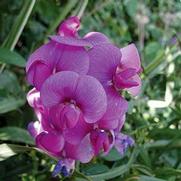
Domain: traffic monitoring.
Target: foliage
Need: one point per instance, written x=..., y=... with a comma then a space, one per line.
x=153, y=119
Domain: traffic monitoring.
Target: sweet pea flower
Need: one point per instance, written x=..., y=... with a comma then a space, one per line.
x=116, y=68
x=77, y=95
x=63, y=52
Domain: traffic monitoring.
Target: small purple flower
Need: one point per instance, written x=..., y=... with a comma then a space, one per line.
x=63, y=167
x=123, y=142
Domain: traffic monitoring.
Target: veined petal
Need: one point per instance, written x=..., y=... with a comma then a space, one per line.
x=130, y=57
x=91, y=98
x=96, y=38
x=82, y=152
x=116, y=108
x=72, y=41
x=41, y=63
x=50, y=142
x=75, y=135
x=58, y=88
x=73, y=59
x=104, y=60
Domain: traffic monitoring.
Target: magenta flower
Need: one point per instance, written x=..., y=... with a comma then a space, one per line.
x=116, y=68
x=63, y=52
x=77, y=95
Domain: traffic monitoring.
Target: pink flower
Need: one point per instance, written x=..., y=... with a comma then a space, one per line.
x=77, y=95
x=116, y=68
x=63, y=52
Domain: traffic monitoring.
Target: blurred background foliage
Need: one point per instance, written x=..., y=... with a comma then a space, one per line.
x=154, y=118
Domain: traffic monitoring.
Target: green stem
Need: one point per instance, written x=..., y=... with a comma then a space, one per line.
x=82, y=8
x=19, y=24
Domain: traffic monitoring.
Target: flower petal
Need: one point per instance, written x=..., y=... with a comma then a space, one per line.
x=73, y=59
x=116, y=108
x=72, y=41
x=34, y=128
x=50, y=142
x=96, y=38
x=137, y=89
x=130, y=57
x=41, y=63
x=104, y=60
x=58, y=88
x=91, y=98
x=82, y=152
x=76, y=134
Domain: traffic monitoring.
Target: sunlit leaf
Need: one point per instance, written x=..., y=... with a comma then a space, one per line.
x=8, y=150
x=15, y=134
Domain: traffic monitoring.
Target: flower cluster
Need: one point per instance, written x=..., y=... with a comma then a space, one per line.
x=77, y=94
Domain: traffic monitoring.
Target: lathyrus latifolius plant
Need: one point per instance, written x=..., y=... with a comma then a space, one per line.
x=77, y=95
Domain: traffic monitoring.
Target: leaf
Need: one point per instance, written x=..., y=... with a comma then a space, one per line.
x=9, y=83
x=113, y=155
x=19, y=24
x=147, y=178
x=10, y=57
x=118, y=170
x=8, y=150
x=80, y=176
x=95, y=169
x=131, y=7
x=151, y=51
x=11, y=94
x=15, y=134
x=9, y=104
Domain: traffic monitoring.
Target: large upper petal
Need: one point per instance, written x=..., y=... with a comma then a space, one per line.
x=130, y=57
x=86, y=91
x=58, y=88
x=104, y=59
x=73, y=59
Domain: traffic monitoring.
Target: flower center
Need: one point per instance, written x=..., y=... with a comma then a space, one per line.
x=65, y=116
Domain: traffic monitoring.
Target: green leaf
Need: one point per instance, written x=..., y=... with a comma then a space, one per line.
x=19, y=24
x=147, y=178
x=113, y=156
x=94, y=169
x=9, y=104
x=9, y=83
x=118, y=170
x=13, y=58
x=11, y=95
x=15, y=134
x=131, y=7
x=151, y=51
x=8, y=150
